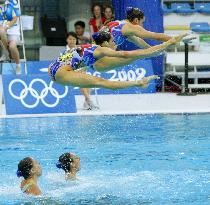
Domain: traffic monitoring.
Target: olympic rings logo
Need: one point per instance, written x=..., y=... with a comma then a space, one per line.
x=39, y=97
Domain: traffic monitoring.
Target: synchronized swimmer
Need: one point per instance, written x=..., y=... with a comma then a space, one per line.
x=131, y=29
x=102, y=57
x=30, y=169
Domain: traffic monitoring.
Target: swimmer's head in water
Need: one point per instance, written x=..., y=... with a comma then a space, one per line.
x=104, y=39
x=68, y=162
x=28, y=167
x=135, y=16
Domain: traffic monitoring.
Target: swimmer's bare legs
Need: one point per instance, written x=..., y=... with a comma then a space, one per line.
x=82, y=80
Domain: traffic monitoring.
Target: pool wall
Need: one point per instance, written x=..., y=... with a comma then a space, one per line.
x=137, y=104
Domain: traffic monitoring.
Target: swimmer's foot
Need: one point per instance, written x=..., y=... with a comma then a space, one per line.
x=145, y=81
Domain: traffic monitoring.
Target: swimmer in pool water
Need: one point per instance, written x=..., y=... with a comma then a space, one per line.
x=70, y=163
x=30, y=170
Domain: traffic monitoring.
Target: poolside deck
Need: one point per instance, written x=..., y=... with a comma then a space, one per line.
x=166, y=103
x=148, y=104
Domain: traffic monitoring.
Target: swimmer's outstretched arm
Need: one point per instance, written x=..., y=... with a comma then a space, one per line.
x=83, y=80
x=138, y=41
x=101, y=52
x=130, y=29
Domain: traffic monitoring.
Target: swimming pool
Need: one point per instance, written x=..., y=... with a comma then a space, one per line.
x=151, y=159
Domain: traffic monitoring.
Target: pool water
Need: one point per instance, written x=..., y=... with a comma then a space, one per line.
x=125, y=160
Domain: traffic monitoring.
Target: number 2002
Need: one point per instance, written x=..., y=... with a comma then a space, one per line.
x=124, y=75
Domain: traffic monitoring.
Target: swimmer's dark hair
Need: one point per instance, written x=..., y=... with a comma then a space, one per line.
x=101, y=36
x=80, y=23
x=65, y=161
x=71, y=33
x=24, y=168
x=133, y=13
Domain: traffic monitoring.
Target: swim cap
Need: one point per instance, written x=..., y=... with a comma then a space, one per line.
x=64, y=162
x=19, y=173
x=58, y=165
x=133, y=13
x=101, y=36
x=24, y=167
x=129, y=9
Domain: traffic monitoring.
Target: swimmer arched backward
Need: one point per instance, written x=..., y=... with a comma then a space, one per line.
x=103, y=57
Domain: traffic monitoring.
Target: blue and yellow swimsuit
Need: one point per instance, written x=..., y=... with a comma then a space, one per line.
x=88, y=57
x=67, y=58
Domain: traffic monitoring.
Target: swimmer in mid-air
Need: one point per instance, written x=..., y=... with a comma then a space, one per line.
x=131, y=29
x=70, y=163
x=30, y=170
x=102, y=57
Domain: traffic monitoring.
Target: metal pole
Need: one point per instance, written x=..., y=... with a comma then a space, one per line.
x=186, y=72
x=22, y=39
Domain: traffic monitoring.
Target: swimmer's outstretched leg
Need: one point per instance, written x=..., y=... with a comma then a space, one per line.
x=146, y=80
x=83, y=80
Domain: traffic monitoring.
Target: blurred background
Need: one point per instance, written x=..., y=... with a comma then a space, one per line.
x=70, y=10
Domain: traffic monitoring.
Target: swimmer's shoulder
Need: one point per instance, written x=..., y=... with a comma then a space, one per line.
x=34, y=189
x=127, y=27
x=30, y=188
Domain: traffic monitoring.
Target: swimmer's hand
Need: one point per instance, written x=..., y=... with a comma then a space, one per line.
x=177, y=39
x=145, y=81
